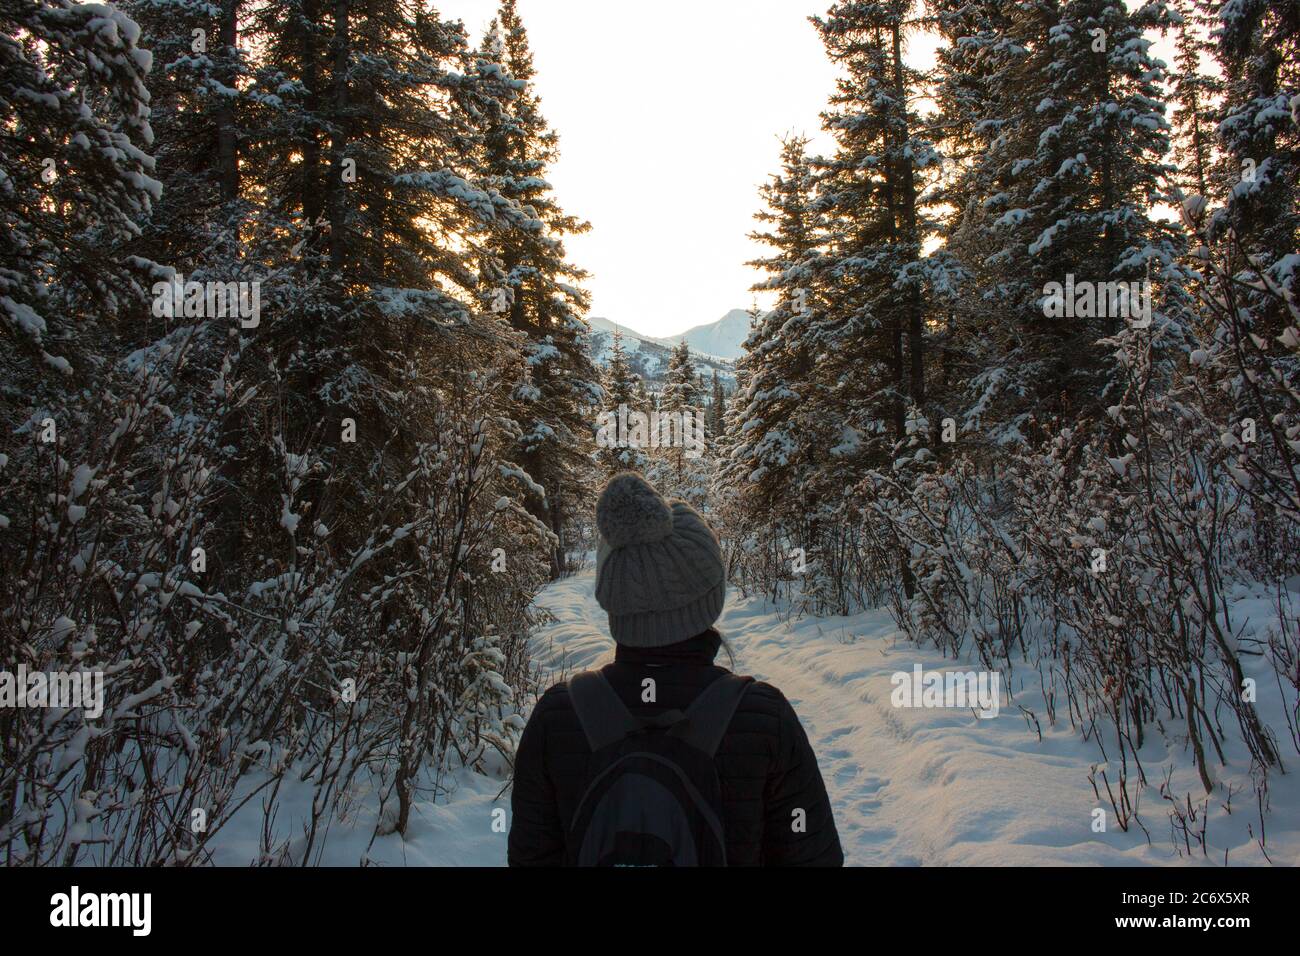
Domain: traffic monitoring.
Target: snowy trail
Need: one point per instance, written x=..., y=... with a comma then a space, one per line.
x=858, y=743
x=911, y=786
x=844, y=728
x=875, y=761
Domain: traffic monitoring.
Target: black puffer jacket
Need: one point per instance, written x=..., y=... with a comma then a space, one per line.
x=765, y=764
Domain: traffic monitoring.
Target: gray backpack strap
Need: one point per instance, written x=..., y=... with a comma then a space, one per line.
x=710, y=713
x=604, y=718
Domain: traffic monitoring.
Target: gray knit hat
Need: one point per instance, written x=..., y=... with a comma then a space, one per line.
x=659, y=571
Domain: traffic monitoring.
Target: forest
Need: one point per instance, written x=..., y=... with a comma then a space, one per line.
x=300, y=413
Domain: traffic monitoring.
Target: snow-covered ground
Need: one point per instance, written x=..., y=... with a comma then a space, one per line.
x=910, y=785
x=939, y=786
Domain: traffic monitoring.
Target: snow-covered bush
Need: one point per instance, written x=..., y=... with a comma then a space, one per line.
x=1107, y=561
x=325, y=663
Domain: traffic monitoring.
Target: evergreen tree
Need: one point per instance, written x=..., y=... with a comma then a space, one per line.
x=246, y=521
x=681, y=390
x=530, y=278
x=979, y=54
x=1195, y=91
x=717, y=406
x=366, y=116
x=678, y=464
x=620, y=380
x=873, y=189
x=197, y=109
x=76, y=177
x=1259, y=125
x=781, y=435
x=1063, y=191
x=621, y=390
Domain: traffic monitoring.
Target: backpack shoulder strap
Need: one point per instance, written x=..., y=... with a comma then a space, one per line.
x=604, y=718
x=710, y=713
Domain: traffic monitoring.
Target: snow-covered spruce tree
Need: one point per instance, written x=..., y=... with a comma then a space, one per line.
x=1105, y=553
x=528, y=276
x=198, y=109
x=678, y=465
x=874, y=191
x=1195, y=91
x=621, y=390
x=782, y=418
x=968, y=69
x=620, y=380
x=371, y=116
x=1063, y=191
x=76, y=175
x=740, y=550
x=778, y=357
x=876, y=182
x=681, y=387
x=1259, y=125
x=717, y=405
x=373, y=352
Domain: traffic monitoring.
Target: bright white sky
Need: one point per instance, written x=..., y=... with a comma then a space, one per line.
x=669, y=115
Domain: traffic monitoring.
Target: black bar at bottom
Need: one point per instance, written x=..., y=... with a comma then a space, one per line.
x=208, y=907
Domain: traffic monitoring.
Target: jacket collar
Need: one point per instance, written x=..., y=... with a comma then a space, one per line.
x=700, y=649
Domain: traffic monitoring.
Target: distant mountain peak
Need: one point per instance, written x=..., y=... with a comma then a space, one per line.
x=648, y=354
x=724, y=338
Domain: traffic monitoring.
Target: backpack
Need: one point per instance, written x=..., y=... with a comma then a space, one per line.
x=652, y=795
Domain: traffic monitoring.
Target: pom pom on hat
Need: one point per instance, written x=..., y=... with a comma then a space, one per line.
x=630, y=511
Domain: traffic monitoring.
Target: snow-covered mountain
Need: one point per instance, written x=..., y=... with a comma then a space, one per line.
x=648, y=355
x=723, y=338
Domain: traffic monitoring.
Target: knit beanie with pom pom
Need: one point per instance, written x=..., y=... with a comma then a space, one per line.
x=659, y=572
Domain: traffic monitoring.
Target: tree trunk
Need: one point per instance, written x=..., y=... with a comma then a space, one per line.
x=907, y=209
x=227, y=134
x=337, y=188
